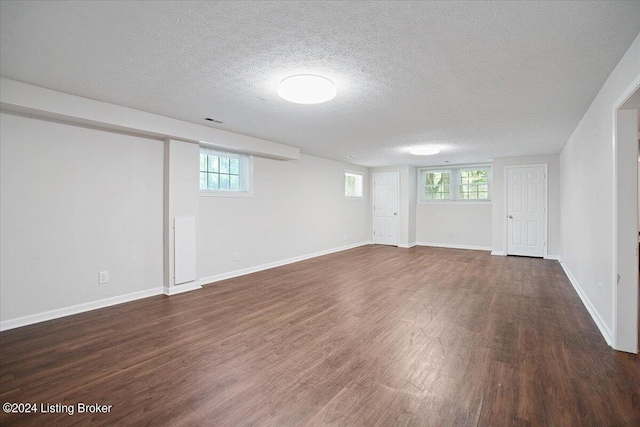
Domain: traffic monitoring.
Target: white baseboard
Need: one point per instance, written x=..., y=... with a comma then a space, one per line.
x=75, y=309
x=503, y=253
x=410, y=245
x=602, y=326
x=179, y=289
x=447, y=245
x=255, y=269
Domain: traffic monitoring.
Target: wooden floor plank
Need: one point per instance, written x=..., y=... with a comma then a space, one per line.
x=370, y=336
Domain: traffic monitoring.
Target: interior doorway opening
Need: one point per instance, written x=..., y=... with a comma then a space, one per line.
x=626, y=221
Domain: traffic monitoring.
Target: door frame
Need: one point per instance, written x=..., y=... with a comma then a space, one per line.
x=615, y=342
x=373, y=203
x=546, y=205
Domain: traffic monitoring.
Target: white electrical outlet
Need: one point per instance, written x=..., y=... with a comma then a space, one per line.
x=103, y=277
x=236, y=256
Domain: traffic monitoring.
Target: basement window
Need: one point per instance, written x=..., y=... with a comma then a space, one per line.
x=224, y=173
x=352, y=185
x=469, y=183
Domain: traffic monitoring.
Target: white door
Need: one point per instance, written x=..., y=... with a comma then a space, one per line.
x=526, y=216
x=385, y=208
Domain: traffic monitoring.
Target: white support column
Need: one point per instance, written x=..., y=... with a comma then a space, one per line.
x=181, y=183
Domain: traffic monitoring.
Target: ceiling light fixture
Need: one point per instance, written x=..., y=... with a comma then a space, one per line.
x=424, y=150
x=307, y=89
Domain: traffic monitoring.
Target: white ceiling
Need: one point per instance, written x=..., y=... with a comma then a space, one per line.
x=480, y=80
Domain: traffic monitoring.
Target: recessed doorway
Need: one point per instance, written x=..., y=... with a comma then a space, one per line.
x=625, y=298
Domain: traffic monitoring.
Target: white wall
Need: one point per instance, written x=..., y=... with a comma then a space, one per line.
x=298, y=209
x=498, y=199
x=76, y=201
x=586, y=167
x=454, y=224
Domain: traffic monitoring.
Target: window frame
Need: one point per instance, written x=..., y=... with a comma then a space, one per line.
x=357, y=174
x=454, y=184
x=245, y=174
x=421, y=185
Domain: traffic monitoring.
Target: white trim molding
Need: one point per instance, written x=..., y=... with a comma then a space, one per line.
x=600, y=323
x=180, y=289
x=237, y=273
x=405, y=246
x=450, y=246
x=76, y=309
x=498, y=253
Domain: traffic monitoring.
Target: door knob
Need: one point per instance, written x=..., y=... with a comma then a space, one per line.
x=510, y=217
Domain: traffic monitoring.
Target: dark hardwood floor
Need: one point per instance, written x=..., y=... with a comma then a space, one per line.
x=374, y=336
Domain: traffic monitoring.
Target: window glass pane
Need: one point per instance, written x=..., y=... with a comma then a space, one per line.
x=212, y=181
x=203, y=162
x=349, y=185
x=470, y=184
x=234, y=166
x=224, y=165
x=213, y=163
x=437, y=185
x=222, y=171
x=352, y=185
x=474, y=176
x=474, y=184
x=234, y=183
x=464, y=192
x=224, y=181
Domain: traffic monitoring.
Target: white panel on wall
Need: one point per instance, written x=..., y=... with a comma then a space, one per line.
x=185, y=249
x=533, y=233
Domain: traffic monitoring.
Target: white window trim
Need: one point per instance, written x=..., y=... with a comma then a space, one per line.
x=453, y=185
x=361, y=174
x=228, y=193
x=232, y=194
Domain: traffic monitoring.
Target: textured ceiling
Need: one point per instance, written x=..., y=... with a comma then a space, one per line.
x=480, y=80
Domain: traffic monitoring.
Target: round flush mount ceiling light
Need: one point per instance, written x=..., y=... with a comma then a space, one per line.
x=307, y=89
x=424, y=150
